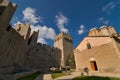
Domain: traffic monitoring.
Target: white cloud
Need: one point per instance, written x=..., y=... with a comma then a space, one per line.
x=106, y=22
x=103, y=21
x=18, y=22
x=109, y=7
x=61, y=22
x=81, y=30
x=45, y=33
x=42, y=40
x=34, y=28
x=30, y=16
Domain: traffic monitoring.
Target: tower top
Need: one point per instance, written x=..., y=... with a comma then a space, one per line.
x=102, y=31
x=61, y=36
x=23, y=29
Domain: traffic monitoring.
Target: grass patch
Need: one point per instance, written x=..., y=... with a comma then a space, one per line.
x=30, y=77
x=94, y=78
x=55, y=75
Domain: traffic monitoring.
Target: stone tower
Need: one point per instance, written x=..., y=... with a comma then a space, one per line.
x=24, y=30
x=7, y=10
x=63, y=41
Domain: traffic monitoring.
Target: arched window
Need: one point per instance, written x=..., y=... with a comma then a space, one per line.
x=88, y=45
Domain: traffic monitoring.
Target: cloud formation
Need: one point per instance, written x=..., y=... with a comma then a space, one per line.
x=81, y=29
x=30, y=16
x=61, y=22
x=103, y=21
x=45, y=33
x=110, y=6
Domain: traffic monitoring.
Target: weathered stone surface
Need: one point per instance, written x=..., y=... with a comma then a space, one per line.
x=19, y=49
x=102, y=52
x=63, y=41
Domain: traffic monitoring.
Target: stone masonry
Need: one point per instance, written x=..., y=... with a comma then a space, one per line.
x=99, y=51
x=64, y=42
x=19, y=50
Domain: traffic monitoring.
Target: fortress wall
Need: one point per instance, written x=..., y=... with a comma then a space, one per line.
x=43, y=57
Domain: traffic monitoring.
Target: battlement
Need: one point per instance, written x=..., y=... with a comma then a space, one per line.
x=45, y=45
x=23, y=29
x=62, y=35
x=102, y=31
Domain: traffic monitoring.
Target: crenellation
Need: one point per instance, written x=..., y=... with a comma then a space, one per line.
x=23, y=29
x=62, y=35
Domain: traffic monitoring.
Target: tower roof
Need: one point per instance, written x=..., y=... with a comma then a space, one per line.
x=62, y=35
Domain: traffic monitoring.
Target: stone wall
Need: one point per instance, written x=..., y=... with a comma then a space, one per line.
x=19, y=49
x=43, y=57
x=12, y=49
x=17, y=55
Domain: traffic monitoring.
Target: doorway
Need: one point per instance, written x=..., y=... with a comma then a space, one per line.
x=93, y=66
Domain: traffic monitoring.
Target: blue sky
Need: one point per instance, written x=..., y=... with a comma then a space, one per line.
x=75, y=17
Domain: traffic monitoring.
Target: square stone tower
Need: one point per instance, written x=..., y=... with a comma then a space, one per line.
x=7, y=10
x=63, y=41
x=24, y=30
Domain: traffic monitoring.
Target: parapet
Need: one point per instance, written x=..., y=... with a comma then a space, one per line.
x=23, y=29
x=62, y=35
x=102, y=31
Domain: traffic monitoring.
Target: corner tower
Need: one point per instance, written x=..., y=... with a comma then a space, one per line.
x=24, y=30
x=63, y=41
x=7, y=10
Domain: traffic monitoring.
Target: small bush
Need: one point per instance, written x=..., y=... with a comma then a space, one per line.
x=86, y=70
